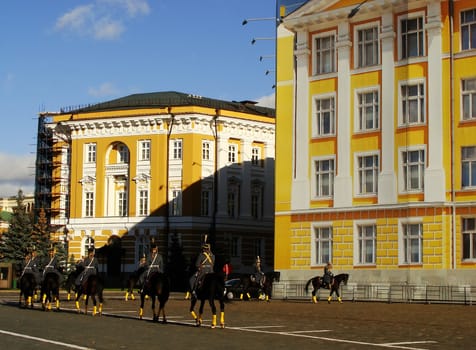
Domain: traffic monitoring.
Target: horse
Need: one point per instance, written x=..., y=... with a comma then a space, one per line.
x=317, y=283
x=50, y=290
x=251, y=287
x=27, y=289
x=93, y=287
x=69, y=283
x=212, y=288
x=132, y=283
x=158, y=286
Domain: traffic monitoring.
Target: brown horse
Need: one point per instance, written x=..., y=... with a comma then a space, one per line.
x=212, y=288
x=157, y=287
x=317, y=283
x=93, y=287
x=252, y=288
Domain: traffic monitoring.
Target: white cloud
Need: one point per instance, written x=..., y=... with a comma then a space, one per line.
x=20, y=174
x=267, y=101
x=102, y=19
x=105, y=89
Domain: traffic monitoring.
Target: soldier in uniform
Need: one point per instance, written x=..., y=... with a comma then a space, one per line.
x=32, y=266
x=53, y=265
x=328, y=277
x=91, y=267
x=156, y=264
x=205, y=264
x=258, y=272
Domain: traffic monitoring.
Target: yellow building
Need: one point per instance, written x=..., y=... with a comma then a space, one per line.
x=375, y=151
x=167, y=168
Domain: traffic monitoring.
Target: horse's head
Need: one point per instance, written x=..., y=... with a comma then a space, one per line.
x=344, y=278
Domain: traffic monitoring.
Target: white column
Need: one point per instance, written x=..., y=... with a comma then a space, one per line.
x=300, y=184
x=387, y=180
x=343, y=180
x=222, y=176
x=245, y=197
x=434, y=173
x=269, y=168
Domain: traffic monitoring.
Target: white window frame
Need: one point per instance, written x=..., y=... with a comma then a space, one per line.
x=468, y=110
x=360, y=121
x=88, y=204
x=88, y=242
x=143, y=202
x=318, y=69
x=206, y=150
x=470, y=161
x=359, y=180
x=144, y=150
x=406, y=249
x=122, y=154
x=359, y=47
x=232, y=153
x=403, y=182
x=256, y=156
x=176, y=149
x=122, y=203
x=360, y=247
x=318, y=258
x=316, y=188
x=317, y=115
x=175, y=202
x=470, y=26
x=420, y=32
x=90, y=153
x=468, y=237
x=421, y=98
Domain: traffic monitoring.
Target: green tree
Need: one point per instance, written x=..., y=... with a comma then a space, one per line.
x=16, y=242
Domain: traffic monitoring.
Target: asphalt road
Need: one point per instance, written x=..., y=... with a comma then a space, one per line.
x=249, y=324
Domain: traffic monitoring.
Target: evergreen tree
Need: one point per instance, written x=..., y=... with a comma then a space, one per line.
x=41, y=235
x=16, y=242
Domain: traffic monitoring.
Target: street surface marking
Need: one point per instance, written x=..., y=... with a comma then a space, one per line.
x=44, y=340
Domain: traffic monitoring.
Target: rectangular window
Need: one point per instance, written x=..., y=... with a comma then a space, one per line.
x=235, y=247
x=468, y=96
x=413, y=163
x=413, y=104
x=177, y=149
x=176, y=207
x=412, y=243
x=322, y=245
x=256, y=156
x=468, y=167
x=123, y=154
x=143, y=202
x=469, y=239
x=324, y=177
x=368, y=169
x=144, y=150
x=91, y=153
x=325, y=54
x=206, y=150
x=412, y=37
x=325, y=116
x=368, y=106
x=258, y=248
x=468, y=29
x=232, y=153
x=257, y=203
x=205, y=200
x=368, y=48
x=89, y=204
x=121, y=203
x=367, y=244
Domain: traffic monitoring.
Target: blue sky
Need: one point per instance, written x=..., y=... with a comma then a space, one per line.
x=58, y=53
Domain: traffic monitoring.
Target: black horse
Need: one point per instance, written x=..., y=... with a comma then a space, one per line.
x=132, y=283
x=157, y=287
x=91, y=288
x=317, y=282
x=27, y=289
x=50, y=290
x=69, y=283
x=212, y=288
x=250, y=287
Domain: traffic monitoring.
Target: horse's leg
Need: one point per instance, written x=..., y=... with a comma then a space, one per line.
x=86, y=301
x=200, y=313
x=193, y=301
x=155, y=314
x=141, y=308
x=329, y=299
x=95, y=308
x=211, y=301
x=222, y=313
x=162, y=309
x=78, y=296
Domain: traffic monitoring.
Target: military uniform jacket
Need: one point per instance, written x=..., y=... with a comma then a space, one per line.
x=155, y=265
x=205, y=262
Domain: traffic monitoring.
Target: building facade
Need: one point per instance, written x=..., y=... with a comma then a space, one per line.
x=376, y=117
x=163, y=168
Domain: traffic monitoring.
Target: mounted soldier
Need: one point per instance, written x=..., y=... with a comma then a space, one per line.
x=328, y=277
x=32, y=266
x=91, y=267
x=258, y=275
x=205, y=264
x=155, y=264
x=53, y=265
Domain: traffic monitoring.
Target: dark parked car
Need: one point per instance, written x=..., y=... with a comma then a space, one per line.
x=233, y=288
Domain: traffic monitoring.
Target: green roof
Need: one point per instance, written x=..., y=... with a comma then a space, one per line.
x=173, y=99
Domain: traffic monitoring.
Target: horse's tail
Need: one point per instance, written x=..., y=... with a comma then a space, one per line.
x=307, y=284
